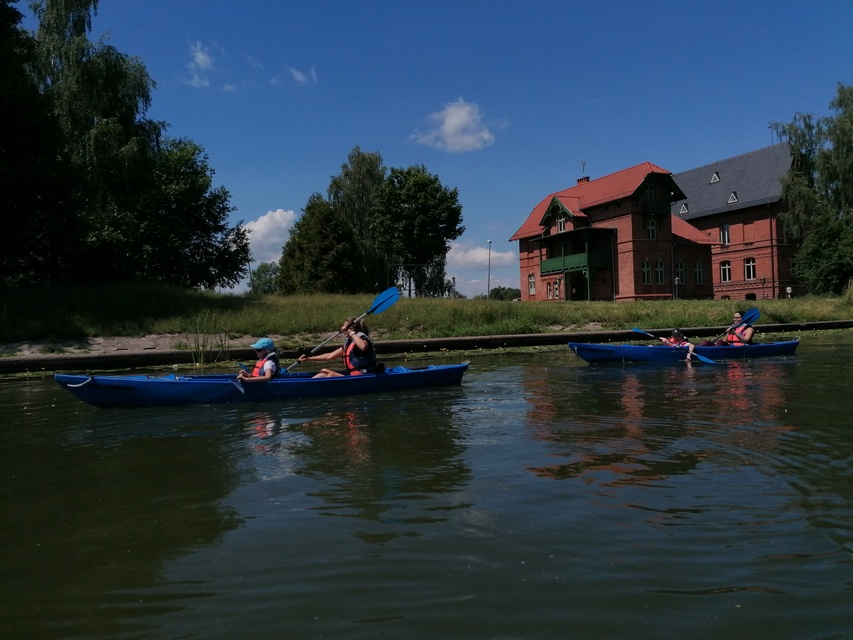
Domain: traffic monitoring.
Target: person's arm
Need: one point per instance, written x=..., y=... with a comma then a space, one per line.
x=268, y=373
x=359, y=339
x=746, y=333
x=331, y=355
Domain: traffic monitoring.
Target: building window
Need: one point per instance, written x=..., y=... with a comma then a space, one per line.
x=549, y=291
x=749, y=269
x=531, y=285
x=698, y=273
x=651, y=229
x=557, y=286
x=680, y=272
x=561, y=224
x=724, y=234
x=725, y=271
x=647, y=271
x=659, y=272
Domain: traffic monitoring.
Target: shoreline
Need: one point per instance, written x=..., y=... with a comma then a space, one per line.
x=106, y=353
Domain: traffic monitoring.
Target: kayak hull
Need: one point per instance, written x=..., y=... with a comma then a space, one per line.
x=175, y=390
x=595, y=353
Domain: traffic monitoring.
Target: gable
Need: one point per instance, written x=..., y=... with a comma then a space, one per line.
x=586, y=194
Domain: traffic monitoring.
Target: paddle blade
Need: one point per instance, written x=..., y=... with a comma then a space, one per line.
x=384, y=300
x=750, y=316
x=704, y=359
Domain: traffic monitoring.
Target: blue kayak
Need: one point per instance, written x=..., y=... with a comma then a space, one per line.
x=172, y=390
x=662, y=353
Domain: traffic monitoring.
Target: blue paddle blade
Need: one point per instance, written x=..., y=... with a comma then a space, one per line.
x=750, y=316
x=384, y=300
x=645, y=333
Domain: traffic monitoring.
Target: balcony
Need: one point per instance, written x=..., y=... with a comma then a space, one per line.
x=575, y=262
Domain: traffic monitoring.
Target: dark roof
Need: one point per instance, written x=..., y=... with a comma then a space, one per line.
x=748, y=180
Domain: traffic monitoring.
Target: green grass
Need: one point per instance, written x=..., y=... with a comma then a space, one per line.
x=55, y=314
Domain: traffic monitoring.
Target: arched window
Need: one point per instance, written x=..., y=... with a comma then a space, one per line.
x=651, y=229
x=647, y=271
x=749, y=269
x=660, y=272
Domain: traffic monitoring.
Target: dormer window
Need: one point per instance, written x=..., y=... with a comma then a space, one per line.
x=561, y=224
x=715, y=177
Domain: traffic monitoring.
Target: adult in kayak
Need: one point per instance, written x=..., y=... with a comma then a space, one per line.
x=267, y=367
x=358, y=353
x=740, y=333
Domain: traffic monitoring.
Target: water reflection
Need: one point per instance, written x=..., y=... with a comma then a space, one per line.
x=370, y=461
x=640, y=424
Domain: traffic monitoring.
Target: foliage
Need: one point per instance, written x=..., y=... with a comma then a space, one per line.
x=318, y=255
x=819, y=193
x=352, y=196
x=374, y=230
x=416, y=216
x=504, y=293
x=264, y=279
x=87, y=179
x=35, y=187
x=182, y=235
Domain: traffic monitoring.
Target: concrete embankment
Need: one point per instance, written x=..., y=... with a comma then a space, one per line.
x=114, y=354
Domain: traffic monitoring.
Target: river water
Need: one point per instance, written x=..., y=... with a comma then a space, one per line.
x=544, y=498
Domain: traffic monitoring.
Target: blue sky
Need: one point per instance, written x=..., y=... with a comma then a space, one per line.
x=504, y=100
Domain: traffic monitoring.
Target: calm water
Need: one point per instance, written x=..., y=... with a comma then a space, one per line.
x=544, y=498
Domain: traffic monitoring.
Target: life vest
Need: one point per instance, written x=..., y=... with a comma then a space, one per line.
x=355, y=359
x=258, y=371
x=734, y=338
x=672, y=342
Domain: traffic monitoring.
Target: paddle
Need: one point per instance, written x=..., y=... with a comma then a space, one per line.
x=699, y=356
x=380, y=303
x=749, y=317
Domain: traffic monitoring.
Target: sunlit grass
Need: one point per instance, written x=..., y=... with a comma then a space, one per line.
x=142, y=309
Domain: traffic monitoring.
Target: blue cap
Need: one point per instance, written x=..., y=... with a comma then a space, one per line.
x=263, y=343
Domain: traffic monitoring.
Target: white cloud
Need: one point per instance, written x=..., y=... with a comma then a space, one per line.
x=200, y=63
x=303, y=78
x=464, y=256
x=458, y=127
x=269, y=233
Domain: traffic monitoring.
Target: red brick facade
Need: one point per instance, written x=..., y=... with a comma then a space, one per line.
x=613, y=239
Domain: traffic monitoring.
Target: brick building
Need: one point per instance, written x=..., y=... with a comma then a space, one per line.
x=736, y=202
x=614, y=238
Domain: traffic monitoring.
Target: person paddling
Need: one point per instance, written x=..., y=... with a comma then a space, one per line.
x=740, y=333
x=267, y=367
x=357, y=352
x=677, y=340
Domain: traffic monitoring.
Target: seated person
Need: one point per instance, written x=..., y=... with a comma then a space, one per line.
x=357, y=352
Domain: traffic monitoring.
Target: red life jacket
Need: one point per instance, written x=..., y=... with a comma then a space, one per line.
x=355, y=362
x=734, y=338
x=258, y=371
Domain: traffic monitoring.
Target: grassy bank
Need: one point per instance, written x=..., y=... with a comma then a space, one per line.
x=142, y=309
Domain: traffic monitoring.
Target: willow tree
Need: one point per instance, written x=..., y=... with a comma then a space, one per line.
x=37, y=218
x=819, y=194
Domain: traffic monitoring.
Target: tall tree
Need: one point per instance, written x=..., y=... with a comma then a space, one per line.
x=265, y=278
x=415, y=219
x=819, y=193
x=318, y=255
x=182, y=235
x=352, y=195
x=35, y=187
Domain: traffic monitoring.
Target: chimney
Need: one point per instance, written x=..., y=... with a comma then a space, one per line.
x=583, y=179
